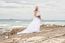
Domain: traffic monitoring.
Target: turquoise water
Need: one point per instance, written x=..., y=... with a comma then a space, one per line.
x=9, y=23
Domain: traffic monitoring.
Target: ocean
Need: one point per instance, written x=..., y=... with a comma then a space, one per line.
x=5, y=23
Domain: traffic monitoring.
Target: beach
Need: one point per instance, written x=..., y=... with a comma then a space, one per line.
x=17, y=15
x=49, y=34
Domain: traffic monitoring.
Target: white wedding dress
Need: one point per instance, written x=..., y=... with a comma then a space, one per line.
x=34, y=26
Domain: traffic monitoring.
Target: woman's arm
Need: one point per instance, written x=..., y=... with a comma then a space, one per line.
x=36, y=12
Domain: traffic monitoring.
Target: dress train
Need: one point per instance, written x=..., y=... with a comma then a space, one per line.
x=33, y=27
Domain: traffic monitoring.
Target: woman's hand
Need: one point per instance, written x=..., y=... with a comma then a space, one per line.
x=36, y=11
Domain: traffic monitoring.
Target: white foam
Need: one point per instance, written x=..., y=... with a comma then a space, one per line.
x=56, y=23
x=3, y=24
x=17, y=26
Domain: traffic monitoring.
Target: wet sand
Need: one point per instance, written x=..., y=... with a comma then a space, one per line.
x=48, y=34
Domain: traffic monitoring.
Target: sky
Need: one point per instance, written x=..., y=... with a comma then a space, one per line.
x=23, y=9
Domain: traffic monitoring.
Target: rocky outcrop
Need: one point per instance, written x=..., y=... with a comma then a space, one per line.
x=50, y=34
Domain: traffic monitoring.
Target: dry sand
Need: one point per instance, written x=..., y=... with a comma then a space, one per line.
x=48, y=34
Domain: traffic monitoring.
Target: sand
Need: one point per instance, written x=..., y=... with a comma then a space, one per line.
x=48, y=34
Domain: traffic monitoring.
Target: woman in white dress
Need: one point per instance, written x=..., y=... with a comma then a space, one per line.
x=34, y=26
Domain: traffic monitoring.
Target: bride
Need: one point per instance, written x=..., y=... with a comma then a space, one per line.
x=34, y=26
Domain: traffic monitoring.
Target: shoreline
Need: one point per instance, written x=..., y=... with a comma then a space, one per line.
x=27, y=25
x=5, y=29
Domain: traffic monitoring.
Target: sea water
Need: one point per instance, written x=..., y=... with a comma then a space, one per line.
x=24, y=23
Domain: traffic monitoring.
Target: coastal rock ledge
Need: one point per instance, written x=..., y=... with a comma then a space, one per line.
x=48, y=34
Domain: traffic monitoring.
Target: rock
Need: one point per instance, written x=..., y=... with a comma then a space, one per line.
x=13, y=31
